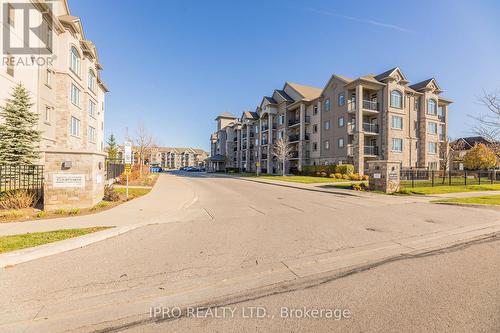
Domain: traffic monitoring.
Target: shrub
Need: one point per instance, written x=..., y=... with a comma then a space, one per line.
x=365, y=177
x=110, y=194
x=99, y=206
x=10, y=214
x=60, y=211
x=354, y=176
x=359, y=187
x=323, y=174
x=74, y=211
x=41, y=214
x=338, y=175
x=346, y=177
x=17, y=199
x=332, y=175
x=345, y=169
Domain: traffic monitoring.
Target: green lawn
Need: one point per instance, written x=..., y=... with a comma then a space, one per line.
x=18, y=242
x=134, y=191
x=484, y=200
x=451, y=189
x=304, y=179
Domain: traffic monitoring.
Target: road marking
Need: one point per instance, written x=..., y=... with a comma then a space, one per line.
x=289, y=206
x=258, y=211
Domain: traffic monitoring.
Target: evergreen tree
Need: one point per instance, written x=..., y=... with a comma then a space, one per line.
x=19, y=138
x=112, y=147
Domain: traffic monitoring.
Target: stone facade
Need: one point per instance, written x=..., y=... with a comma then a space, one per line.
x=384, y=176
x=67, y=163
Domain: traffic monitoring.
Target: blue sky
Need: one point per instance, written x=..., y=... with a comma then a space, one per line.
x=173, y=65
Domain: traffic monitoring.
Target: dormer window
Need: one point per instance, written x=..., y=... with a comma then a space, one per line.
x=75, y=61
x=396, y=99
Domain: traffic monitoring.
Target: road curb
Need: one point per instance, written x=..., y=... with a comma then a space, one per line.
x=32, y=253
x=470, y=205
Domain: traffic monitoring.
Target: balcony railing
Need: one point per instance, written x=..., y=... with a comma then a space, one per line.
x=351, y=127
x=350, y=150
x=264, y=142
x=367, y=105
x=264, y=128
x=442, y=137
x=235, y=149
x=235, y=139
x=264, y=157
x=295, y=154
x=293, y=122
x=293, y=138
x=371, y=128
x=371, y=150
x=370, y=105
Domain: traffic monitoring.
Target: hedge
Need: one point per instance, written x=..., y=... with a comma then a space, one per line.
x=317, y=170
x=345, y=169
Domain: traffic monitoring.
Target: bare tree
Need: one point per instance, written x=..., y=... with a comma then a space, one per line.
x=143, y=145
x=282, y=149
x=488, y=123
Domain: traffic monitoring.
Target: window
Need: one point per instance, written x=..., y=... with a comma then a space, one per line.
x=341, y=99
x=75, y=127
x=327, y=144
x=327, y=125
x=431, y=107
x=440, y=112
x=432, y=148
x=431, y=128
x=397, y=122
x=92, y=107
x=92, y=134
x=47, y=115
x=75, y=95
x=282, y=119
x=341, y=121
x=396, y=99
x=397, y=145
x=416, y=104
x=10, y=64
x=48, y=78
x=280, y=135
x=74, y=64
x=11, y=16
x=92, y=81
x=415, y=125
x=315, y=128
x=341, y=142
x=315, y=110
x=432, y=165
x=327, y=104
x=315, y=146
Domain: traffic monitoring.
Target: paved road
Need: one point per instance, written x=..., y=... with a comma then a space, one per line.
x=221, y=225
x=457, y=291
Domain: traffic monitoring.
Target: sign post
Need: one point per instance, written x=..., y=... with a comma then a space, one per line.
x=128, y=162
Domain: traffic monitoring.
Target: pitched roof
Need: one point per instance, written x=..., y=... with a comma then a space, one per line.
x=420, y=85
x=307, y=92
x=471, y=141
x=283, y=94
x=270, y=99
x=251, y=115
x=226, y=115
x=385, y=74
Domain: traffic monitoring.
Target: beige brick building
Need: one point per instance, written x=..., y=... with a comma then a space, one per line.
x=178, y=157
x=69, y=97
x=373, y=117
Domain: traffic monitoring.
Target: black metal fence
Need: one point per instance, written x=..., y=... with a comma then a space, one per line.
x=22, y=177
x=114, y=168
x=424, y=177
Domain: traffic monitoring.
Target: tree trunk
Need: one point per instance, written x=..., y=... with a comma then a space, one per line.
x=284, y=162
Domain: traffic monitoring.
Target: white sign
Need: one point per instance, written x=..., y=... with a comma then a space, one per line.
x=128, y=152
x=68, y=180
x=377, y=175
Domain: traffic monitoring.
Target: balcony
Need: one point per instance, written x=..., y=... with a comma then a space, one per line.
x=442, y=137
x=244, y=136
x=235, y=139
x=293, y=122
x=293, y=138
x=263, y=157
x=369, y=107
x=294, y=155
x=369, y=128
x=263, y=143
x=350, y=150
x=371, y=150
x=351, y=127
x=235, y=149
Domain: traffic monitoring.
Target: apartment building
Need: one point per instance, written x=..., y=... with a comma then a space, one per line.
x=381, y=117
x=178, y=157
x=67, y=93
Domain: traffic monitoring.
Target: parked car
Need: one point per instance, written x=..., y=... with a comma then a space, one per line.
x=193, y=169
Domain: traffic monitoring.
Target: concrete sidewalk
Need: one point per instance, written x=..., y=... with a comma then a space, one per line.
x=168, y=197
